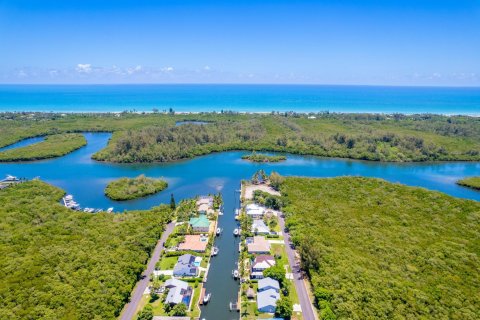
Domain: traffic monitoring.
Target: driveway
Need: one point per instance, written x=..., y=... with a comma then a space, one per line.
x=308, y=311
x=131, y=307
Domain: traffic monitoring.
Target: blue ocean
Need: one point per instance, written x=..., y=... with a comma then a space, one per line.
x=242, y=98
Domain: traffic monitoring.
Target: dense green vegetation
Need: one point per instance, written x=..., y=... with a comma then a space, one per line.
x=377, y=250
x=53, y=146
x=154, y=137
x=57, y=263
x=472, y=182
x=259, y=157
x=133, y=188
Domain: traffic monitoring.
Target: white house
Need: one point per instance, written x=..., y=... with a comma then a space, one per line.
x=178, y=292
x=254, y=210
x=260, y=264
x=259, y=227
x=268, y=294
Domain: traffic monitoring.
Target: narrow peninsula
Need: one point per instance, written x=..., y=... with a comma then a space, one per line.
x=53, y=146
x=471, y=182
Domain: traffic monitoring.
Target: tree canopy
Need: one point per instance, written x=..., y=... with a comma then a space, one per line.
x=56, y=263
x=377, y=250
x=133, y=188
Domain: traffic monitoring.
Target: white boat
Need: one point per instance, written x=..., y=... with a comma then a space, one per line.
x=110, y=209
x=236, y=232
x=206, y=298
x=219, y=231
x=235, y=273
x=215, y=251
x=10, y=178
x=68, y=197
x=220, y=213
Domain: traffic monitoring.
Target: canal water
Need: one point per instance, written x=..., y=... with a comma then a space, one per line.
x=86, y=179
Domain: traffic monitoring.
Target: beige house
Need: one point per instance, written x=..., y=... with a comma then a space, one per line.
x=258, y=244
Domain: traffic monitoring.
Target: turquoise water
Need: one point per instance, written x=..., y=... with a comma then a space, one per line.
x=222, y=172
x=248, y=98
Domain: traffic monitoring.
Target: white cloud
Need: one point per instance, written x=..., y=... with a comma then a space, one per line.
x=167, y=69
x=134, y=70
x=84, y=68
x=207, y=68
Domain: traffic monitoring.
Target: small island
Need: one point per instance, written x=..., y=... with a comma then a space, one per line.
x=133, y=188
x=471, y=182
x=259, y=157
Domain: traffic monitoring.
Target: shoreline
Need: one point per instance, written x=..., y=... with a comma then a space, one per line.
x=241, y=112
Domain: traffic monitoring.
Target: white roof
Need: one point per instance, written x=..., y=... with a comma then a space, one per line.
x=260, y=227
x=254, y=209
x=268, y=283
x=176, y=286
x=267, y=298
x=170, y=283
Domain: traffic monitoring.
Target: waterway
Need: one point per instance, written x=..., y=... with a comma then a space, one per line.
x=222, y=172
x=23, y=143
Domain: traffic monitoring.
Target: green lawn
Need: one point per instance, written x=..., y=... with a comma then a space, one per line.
x=167, y=263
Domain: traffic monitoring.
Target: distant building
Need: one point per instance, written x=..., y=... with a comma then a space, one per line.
x=200, y=223
x=258, y=244
x=254, y=210
x=196, y=243
x=185, y=266
x=259, y=227
x=178, y=292
x=260, y=264
x=268, y=294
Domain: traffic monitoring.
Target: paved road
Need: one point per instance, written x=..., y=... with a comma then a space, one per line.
x=130, y=308
x=308, y=311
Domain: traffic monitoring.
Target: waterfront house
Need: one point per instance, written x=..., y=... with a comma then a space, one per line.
x=268, y=294
x=259, y=264
x=258, y=245
x=254, y=211
x=178, y=292
x=185, y=266
x=195, y=242
x=267, y=284
x=259, y=227
x=200, y=223
x=205, y=205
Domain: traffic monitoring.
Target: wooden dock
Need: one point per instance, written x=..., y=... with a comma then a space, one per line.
x=202, y=295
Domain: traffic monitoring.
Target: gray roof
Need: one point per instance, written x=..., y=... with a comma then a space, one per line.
x=185, y=266
x=176, y=290
x=267, y=298
x=267, y=283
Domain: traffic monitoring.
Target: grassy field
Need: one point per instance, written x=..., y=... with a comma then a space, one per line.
x=57, y=263
x=53, y=146
x=472, y=182
x=154, y=137
x=134, y=188
x=377, y=250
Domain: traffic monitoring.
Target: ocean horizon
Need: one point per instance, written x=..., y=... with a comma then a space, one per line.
x=259, y=98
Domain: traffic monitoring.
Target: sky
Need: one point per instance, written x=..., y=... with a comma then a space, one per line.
x=367, y=42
